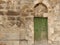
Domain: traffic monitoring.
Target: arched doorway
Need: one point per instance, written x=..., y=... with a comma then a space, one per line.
x=40, y=24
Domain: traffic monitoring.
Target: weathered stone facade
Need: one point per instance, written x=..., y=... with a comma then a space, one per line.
x=17, y=21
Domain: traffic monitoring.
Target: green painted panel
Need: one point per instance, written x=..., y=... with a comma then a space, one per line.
x=40, y=28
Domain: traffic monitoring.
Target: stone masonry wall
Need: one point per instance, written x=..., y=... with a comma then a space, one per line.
x=17, y=21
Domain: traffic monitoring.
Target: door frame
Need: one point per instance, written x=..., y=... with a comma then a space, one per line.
x=47, y=26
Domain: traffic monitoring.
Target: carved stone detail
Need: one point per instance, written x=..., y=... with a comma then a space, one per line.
x=40, y=9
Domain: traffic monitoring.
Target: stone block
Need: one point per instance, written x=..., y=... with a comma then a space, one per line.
x=9, y=42
x=9, y=36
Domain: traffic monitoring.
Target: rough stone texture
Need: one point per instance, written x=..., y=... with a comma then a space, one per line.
x=17, y=26
x=9, y=42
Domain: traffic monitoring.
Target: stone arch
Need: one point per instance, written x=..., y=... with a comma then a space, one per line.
x=40, y=9
x=39, y=4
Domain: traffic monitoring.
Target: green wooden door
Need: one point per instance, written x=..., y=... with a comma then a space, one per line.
x=40, y=28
